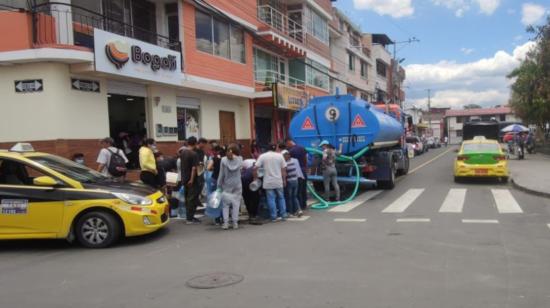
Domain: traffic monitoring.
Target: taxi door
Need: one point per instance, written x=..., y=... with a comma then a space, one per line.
x=27, y=210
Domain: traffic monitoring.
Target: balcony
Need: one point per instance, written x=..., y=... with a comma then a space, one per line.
x=284, y=32
x=265, y=78
x=61, y=25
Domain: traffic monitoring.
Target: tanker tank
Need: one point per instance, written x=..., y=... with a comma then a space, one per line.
x=343, y=119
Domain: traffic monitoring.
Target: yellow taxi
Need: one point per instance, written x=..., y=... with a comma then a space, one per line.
x=481, y=157
x=47, y=196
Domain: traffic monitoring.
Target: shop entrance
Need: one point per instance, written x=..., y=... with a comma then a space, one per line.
x=227, y=127
x=127, y=124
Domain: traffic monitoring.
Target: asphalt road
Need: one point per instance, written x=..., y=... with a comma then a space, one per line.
x=417, y=245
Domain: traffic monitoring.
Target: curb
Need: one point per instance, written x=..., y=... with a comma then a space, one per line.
x=529, y=190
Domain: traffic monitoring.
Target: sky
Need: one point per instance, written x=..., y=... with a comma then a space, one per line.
x=466, y=48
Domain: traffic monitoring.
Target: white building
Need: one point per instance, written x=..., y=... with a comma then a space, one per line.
x=454, y=119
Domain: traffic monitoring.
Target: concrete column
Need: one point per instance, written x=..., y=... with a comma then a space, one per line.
x=63, y=21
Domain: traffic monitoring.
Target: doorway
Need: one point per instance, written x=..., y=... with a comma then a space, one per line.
x=227, y=127
x=127, y=122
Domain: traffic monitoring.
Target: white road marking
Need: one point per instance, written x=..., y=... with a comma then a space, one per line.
x=344, y=208
x=454, y=202
x=506, y=203
x=548, y=226
x=350, y=219
x=480, y=221
x=413, y=220
x=403, y=202
x=303, y=218
x=429, y=161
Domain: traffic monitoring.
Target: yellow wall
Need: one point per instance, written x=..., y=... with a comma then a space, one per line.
x=58, y=112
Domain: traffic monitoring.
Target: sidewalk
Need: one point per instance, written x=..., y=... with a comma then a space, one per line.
x=532, y=174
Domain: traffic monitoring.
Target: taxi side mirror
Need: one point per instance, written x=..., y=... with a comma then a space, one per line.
x=46, y=181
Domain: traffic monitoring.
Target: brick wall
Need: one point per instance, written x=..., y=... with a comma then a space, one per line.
x=213, y=67
x=245, y=9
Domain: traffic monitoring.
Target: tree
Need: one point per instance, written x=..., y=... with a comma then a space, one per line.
x=472, y=106
x=530, y=95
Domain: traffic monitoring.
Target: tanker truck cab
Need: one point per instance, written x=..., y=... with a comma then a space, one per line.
x=363, y=130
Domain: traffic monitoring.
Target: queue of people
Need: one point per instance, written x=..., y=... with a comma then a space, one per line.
x=272, y=185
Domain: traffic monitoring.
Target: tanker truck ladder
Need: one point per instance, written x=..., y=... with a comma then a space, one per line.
x=323, y=204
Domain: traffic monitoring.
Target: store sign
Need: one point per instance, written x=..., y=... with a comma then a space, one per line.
x=85, y=85
x=124, y=56
x=29, y=85
x=289, y=98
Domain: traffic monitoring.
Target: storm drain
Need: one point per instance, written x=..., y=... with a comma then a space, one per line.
x=214, y=280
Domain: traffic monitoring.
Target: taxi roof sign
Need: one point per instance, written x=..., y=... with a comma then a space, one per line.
x=22, y=147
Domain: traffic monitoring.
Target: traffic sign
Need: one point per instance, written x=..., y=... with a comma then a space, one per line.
x=29, y=85
x=85, y=85
x=358, y=122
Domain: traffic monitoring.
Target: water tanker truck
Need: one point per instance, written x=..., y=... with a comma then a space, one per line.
x=373, y=135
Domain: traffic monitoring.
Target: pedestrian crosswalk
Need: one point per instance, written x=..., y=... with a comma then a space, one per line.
x=454, y=201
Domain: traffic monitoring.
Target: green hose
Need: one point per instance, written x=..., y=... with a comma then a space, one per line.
x=323, y=204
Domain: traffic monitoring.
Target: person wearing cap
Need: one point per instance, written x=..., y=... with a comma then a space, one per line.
x=148, y=163
x=104, y=156
x=328, y=167
x=293, y=172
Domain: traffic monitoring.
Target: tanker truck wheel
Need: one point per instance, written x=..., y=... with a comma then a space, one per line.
x=390, y=184
x=405, y=169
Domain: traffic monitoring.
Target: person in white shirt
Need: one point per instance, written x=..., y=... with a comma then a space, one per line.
x=273, y=166
x=104, y=156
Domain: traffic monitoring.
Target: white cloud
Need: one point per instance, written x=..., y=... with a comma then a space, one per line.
x=488, y=7
x=460, y=7
x=467, y=51
x=394, y=8
x=532, y=13
x=482, y=82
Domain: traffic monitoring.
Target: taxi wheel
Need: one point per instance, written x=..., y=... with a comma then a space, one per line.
x=97, y=230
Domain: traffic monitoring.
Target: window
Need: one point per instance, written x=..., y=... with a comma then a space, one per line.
x=459, y=133
x=381, y=68
x=268, y=68
x=502, y=117
x=459, y=119
x=219, y=38
x=317, y=75
x=364, y=69
x=317, y=26
x=351, y=61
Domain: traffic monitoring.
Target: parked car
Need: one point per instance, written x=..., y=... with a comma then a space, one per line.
x=416, y=144
x=433, y=142
x=47, y=196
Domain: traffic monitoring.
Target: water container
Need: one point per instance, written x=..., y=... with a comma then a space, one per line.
x=344, y=120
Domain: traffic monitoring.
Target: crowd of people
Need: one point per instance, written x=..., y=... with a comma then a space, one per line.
x=271, y=183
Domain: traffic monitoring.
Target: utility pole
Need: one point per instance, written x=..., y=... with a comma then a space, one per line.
x=395, y=65
x=429, y=112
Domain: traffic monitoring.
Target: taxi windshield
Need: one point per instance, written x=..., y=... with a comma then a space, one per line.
x=70, y=169
x=481, y=148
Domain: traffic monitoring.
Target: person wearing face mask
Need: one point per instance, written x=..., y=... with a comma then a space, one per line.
x=147, y=163
x=229, y=183
x=78, y=158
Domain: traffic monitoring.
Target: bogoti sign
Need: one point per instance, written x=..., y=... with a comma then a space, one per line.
x=120, y=55
x=288, y=98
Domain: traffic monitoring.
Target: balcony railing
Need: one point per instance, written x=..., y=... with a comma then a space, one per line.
x=56, y=23
x=268, y=77
x=281, y=22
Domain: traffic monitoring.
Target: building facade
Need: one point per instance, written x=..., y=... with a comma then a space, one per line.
x=75, y=71
x=454, y=119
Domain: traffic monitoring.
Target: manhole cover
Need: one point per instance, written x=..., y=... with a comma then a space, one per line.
x=214, y=280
